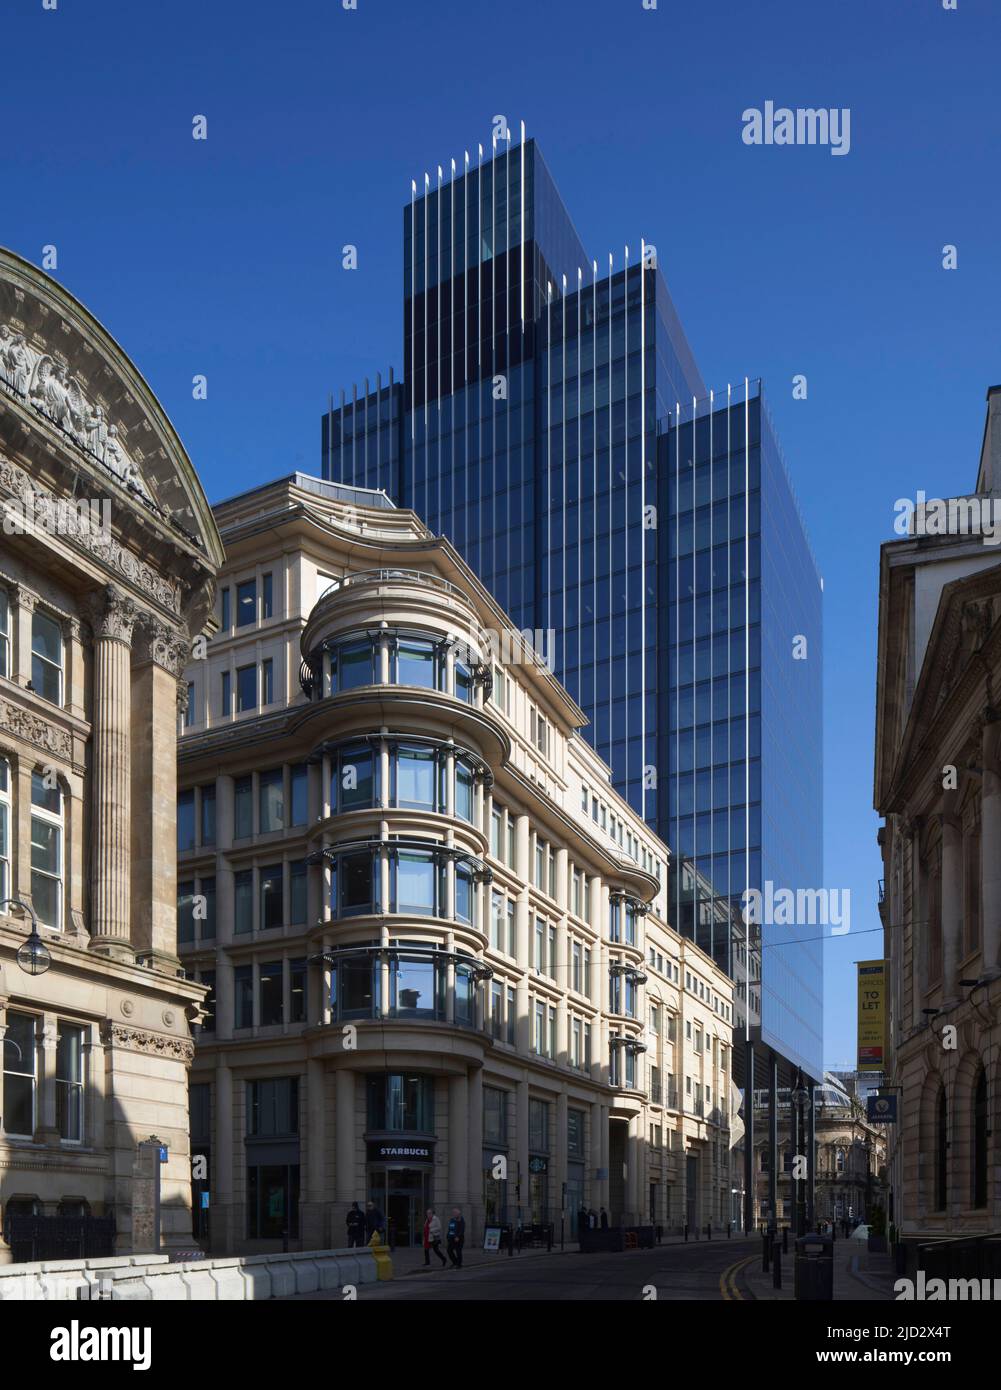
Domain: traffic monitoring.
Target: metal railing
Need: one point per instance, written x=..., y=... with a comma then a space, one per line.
x=391, y=576
x=964, y=1257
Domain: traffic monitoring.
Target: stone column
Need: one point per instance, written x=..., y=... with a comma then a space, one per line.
x=474, y=1217
x=952, y=904
x=521, y=1141
x=633, y=1144
x=114, y=618
x=558, y=1187
x=314, y=1235
x=222, y=1214
x=458, y=1141
x=990, y=860
x=347, y=1187
x=594, y=1155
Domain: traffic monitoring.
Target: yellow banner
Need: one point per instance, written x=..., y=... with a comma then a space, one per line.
x=872, y=1015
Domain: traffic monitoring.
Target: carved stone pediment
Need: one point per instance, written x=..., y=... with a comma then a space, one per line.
x=40, y=376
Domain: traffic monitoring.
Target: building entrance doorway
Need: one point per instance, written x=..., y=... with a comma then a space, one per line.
x=403, y=1195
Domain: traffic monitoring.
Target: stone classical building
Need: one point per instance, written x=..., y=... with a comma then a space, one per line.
x=850, y=1156
x=108, y=553
x=938, y=785
x=434, y=936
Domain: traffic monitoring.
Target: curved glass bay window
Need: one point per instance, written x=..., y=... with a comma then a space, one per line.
x=423, y=878
x=404, y=981
x=425, y=774
x=355, y=659
x=623, y=918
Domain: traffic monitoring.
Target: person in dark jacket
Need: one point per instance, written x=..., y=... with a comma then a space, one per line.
x=456, y=1237
x=604, y=1219
x=581, y=1219
x=374, y=1220
x=356, y=1226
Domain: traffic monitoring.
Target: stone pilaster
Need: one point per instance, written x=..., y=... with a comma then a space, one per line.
x=113, y=620
x=159, y=654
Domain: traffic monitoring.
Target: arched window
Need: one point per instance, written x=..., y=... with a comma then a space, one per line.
x=5, y=821
x=941, y=1152
x=47, y=849
x=839, y=1161
x=979, y=1136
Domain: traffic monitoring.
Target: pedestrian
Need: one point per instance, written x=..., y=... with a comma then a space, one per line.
x=432, y=1238
x=456, y=1237
x=375, y=1222
x=356, y=1226
x=604, y=1219
x=592, y=1219
x=581, y=1219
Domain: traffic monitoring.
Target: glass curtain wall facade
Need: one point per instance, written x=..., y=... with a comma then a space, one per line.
x=538, y=427
x=739, y=714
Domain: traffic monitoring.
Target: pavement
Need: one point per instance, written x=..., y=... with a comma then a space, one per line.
x=859, y=1275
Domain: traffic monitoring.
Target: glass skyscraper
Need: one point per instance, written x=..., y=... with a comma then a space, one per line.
x=552, y=422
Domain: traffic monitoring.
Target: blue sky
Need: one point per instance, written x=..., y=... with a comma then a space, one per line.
x=223, y=257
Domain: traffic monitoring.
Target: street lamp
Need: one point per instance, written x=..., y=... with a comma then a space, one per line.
x=799, y=1097
x=33, y=956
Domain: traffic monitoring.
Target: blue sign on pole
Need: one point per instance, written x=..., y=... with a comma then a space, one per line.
x=881, y=1110
x=205, y=1201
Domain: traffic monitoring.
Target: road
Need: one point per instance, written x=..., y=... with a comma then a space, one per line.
x=694, y=1272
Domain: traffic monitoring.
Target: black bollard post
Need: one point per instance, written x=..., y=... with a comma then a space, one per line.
x=764, y=1253
x=686, y=1231
x=777, y=1268
x=709, y=1230
x=729, y=1229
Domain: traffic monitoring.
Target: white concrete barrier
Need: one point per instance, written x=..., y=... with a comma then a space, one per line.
x=145, y=1278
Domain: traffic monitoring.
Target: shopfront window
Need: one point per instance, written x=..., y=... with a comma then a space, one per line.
x=272, y=1201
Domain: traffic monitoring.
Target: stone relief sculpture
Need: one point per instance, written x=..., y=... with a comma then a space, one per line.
x=47, y=385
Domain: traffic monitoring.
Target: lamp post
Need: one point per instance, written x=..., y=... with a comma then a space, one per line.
x=33, y=956
x=798, y=1098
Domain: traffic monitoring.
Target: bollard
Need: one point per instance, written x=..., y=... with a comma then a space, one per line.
x=729, y=1229
x=785, y=1240
x=709, y=1230
x=764, y=1253
x=686, y=1230
x=777, y=1268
